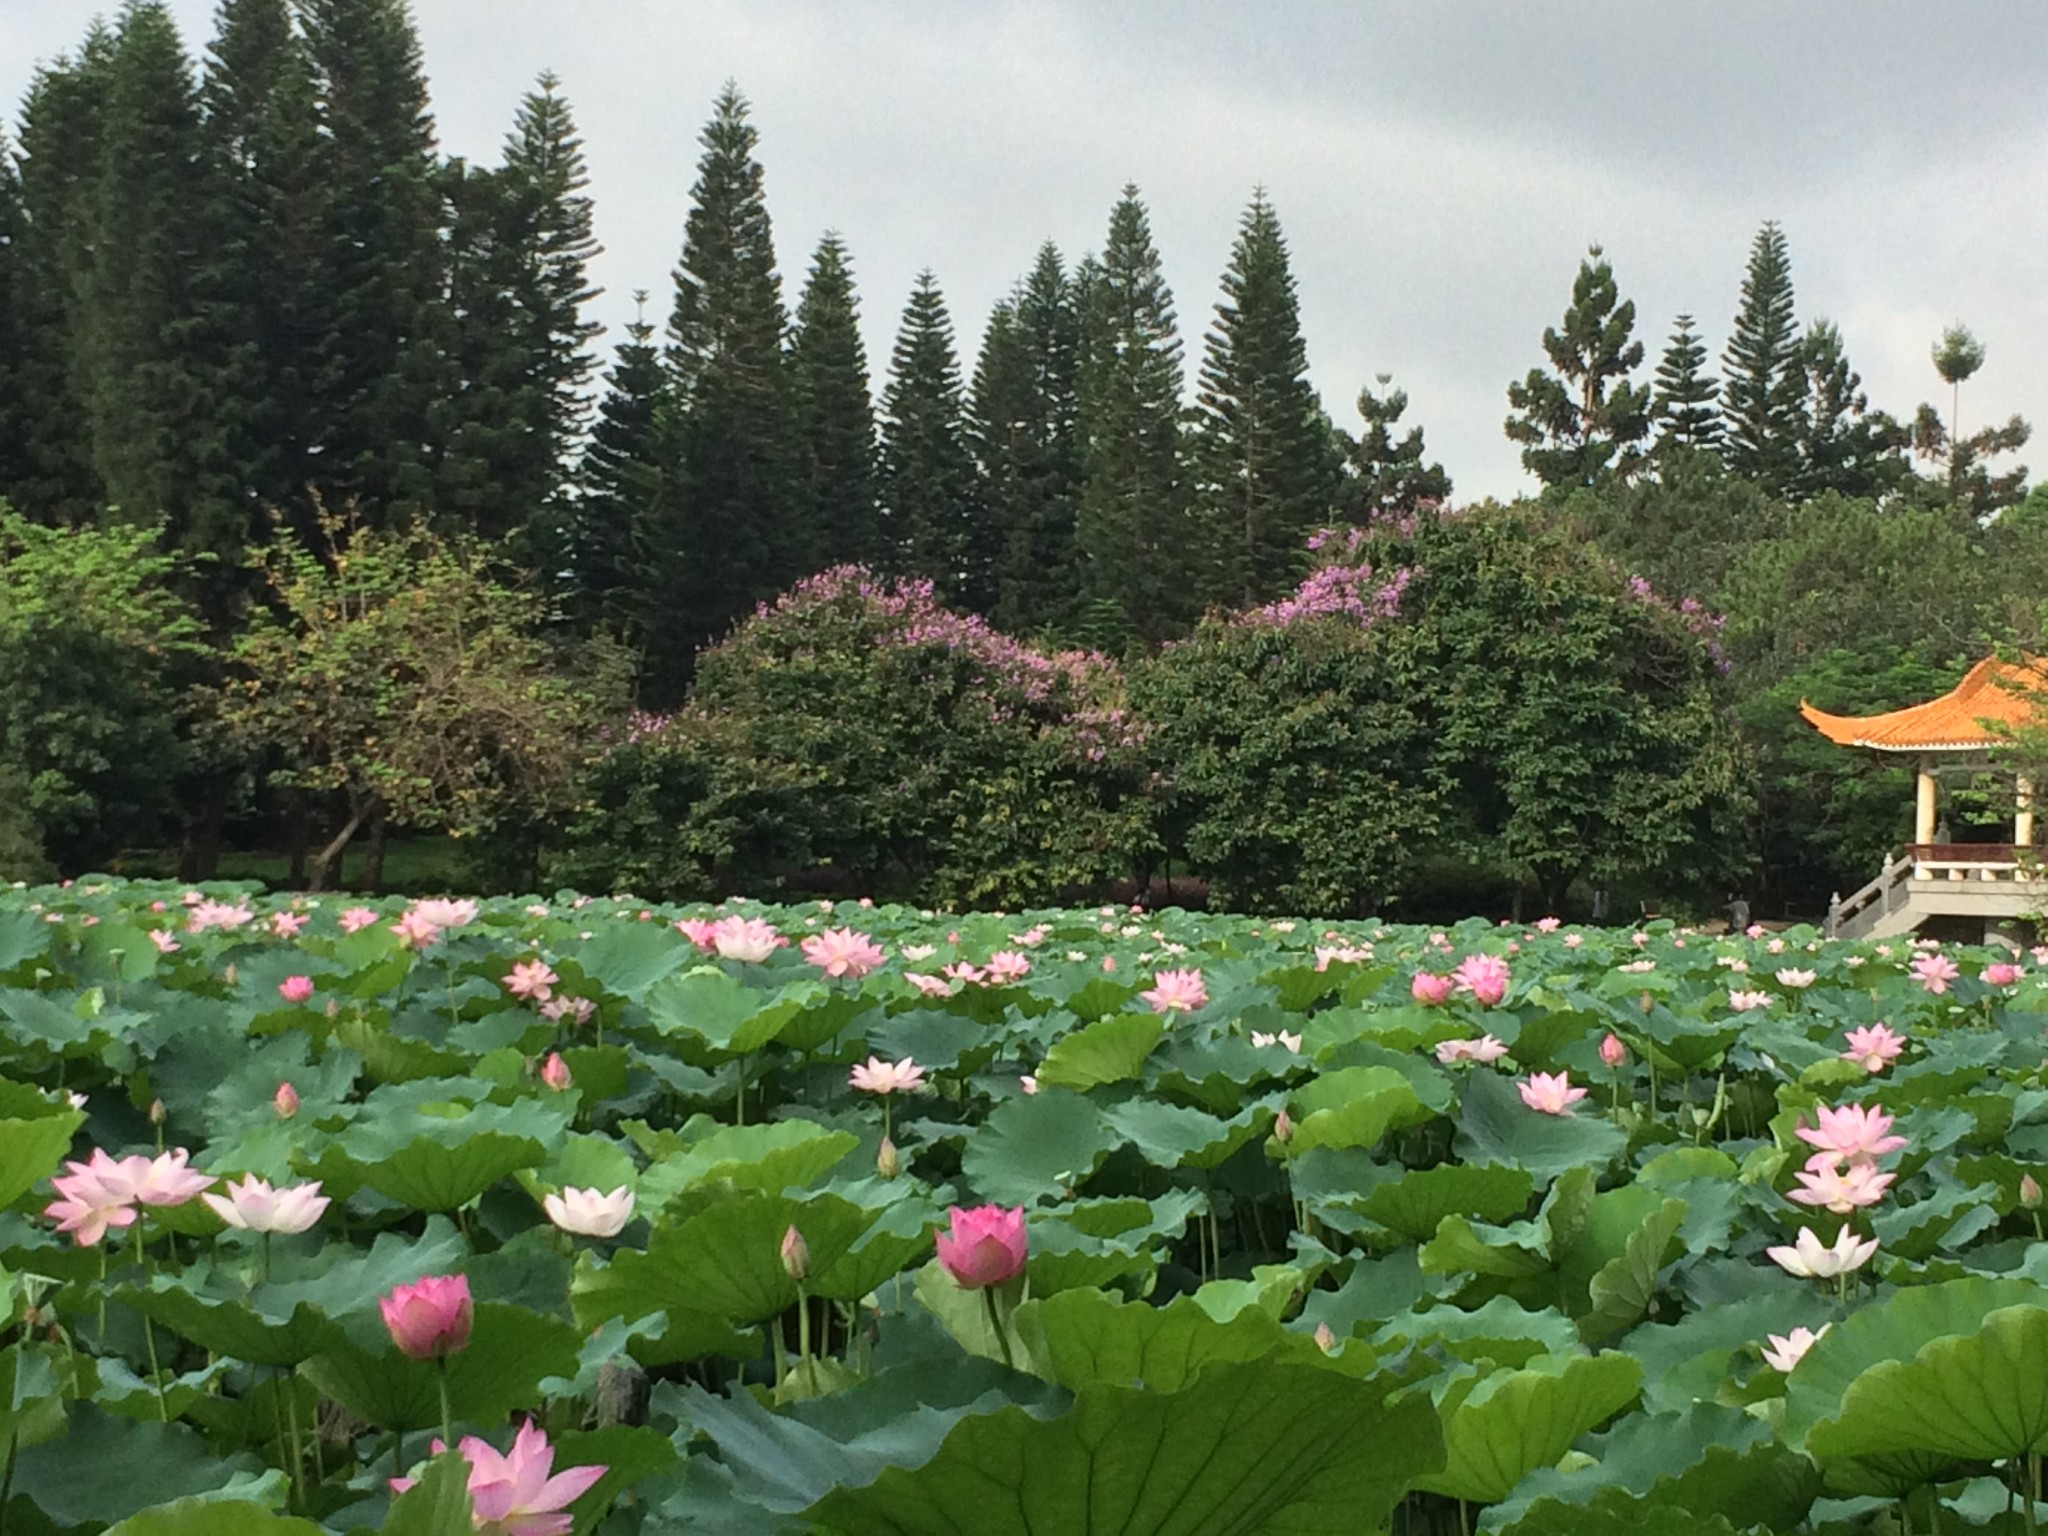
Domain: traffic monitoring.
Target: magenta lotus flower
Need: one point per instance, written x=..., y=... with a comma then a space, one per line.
x=842, y=952
x=296, y=989
x=985, y=1247
x=1934, y=972
x=1811, y=1259
x=746, y=939
x=1485, y=1049
x=429, y=1318
x=531, y=979
x=555, y=1074
x=357, y=918
x=930, y=986
x=1612, y=1052
x=878, y=1076
x=1550, y=1093
x=1856, y=1132
x=254, y=1206
x=590, y=1212
x=286, y=925
x=1176, y=990
x=1431, y=990
x=1743, y=1002
x=1483, y=977
x=513, y=1495
x=285, y=1101
x=1834, y=1187
x=1875, y=1047
x=1787, y=1349
x=1006, y=966
x=700, y=931
x=572, y=1010
x=2002, y=973
x=416, y=932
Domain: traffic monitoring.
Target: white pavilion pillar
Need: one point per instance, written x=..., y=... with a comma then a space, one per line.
x=1923, y=806
x=2023, y=812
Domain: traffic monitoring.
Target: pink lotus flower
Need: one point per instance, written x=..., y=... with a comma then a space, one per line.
x=91, y=1198
x=1876, y=1047
x=842, y=952
x=1550, y=1093
x=1810, y=1259
x=443, y=912
x=429, y=1318
x=574, y=1010
x=1483, y=977
x=1612, y=1052
x=1328, y=955
x=254, y=1206
x=878, y=1076
x=1855, y=1131
x=1028, y=1082
x=1797, y=979
x=1743, y=1002
x=1172, y=990
x=700, y=931
x=2001, y=973
x=930, y=986
x=1574, y=940
x=1934, y=972
x=164, y=942
x=286, y=925
x=1549, y=924
x=1431, y=990
x=1839, y=1189
x=1006, y=966
x=217, y=914
x=746, y=939
x=985, y=1247
x=1786, y=1351
x=590, y=1212
x=285, y=1101
x=532, y=979
x=513, y=1495
x=416, y=932
x=555, y=1074
x=160, y=1180
x=1485, y=1049
x=296, y=989
x=963, y=973
x=356, y=918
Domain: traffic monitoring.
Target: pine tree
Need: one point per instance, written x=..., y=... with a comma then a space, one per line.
x=383, y=340
x=148, y=349
x=1764, y=389
x=723, y=536
x=1265, y=453
x=835, y=416
x=1133, y=532
x=1388, y=478
x=1844, y=445
x=13, y=337
x=929, y=487
x=59, y=169
x=1580, y=425
x=621, y=480
x=1683, y=406
x=1025, y=443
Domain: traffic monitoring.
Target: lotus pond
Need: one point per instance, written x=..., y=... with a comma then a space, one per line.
x=865, y=1220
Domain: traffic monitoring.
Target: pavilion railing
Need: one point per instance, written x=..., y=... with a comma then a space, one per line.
x=1892, y=889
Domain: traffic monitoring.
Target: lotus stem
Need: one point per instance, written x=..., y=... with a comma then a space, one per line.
x=995, y=1321
x=447, y=1419
x=803, y=1337
x=156, y=1377
x=295, y=1489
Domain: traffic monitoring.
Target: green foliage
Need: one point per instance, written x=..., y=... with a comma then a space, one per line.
x=1763, y=395
x=930, y=498
x=1683, y=406
x=1580, y=425
x=1382, y=476
x=835, y=422
x=622, y=474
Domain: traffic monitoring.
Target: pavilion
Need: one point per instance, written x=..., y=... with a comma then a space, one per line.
x=1954, y=734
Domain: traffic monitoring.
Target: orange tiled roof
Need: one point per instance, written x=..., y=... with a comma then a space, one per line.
x=1994, y=691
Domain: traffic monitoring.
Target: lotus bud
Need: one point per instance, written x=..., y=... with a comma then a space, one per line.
x=887, y=1163
x=157, y=1113
x=1612, y=1051
x=1283, y=1128
x=796, y=1255
x=1326, y=1341
x=2030, y=1192
x=285, y=1101
x=555, y=1073
x=1646, y=1002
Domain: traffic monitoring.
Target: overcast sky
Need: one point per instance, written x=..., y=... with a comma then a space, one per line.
x=1439, y=168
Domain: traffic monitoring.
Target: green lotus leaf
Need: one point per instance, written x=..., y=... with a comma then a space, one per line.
x=723, y=1012
x=629, y=958
x=1036, y=1147
x=436, y=1505
x=1173, y=1135
x=1354, y=1107
x=1502, y=1331
x=1243, y=1448
x=1085, y=1338
x=339, y=1282
x=1415, y=1204
x=233, y=1328
x=1501, y=1427
x=1459, y=1248
x=769, y=1158
x=30, y=1150
x=215, y=1517
x=1495, y=1126
x=1613, y=1512
x=1692, y=1358
x=106, y=1468
x=1942, y=1222
x=431, y=1173
x=23, y=936
x=1110, y=1050
x=511, y=1350
x=901, y=1233
x=1619, y=1292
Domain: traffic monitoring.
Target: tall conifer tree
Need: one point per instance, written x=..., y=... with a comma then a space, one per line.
x=723, y=536
x=13, y=335
x=621, y=480
x=1684, y=403
x=1388, y=477
x=1133, y=530
x=929, y=486
x=1764, y=390
x=835, y=416
x=1581, y=425
x=1265, y=453
x=1844, y=445
x=1025, y=442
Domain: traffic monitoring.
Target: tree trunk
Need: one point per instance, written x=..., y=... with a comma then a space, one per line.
x=328, y=859
x=373, y=855
x=301, y=818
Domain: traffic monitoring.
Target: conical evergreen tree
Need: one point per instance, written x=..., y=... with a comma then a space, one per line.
x=723, y=536
x=13, y=336
x=1764, y=389
x=1388, y=478
x=1581, y=424
x=1684, y=403
x=621, y=480
x=1133, y=531
x=148, y=346
x=1844, y=445
x=59, y=168
x=929, y=487
x=383, y=342
x=1266, y=455
x=835, y=417
x=1024, y=439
